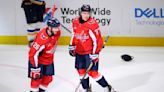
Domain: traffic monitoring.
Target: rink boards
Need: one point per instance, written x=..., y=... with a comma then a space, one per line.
x=113, y=41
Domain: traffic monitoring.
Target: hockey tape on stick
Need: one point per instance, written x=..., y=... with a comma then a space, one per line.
x=106, y=40
x=66, y=29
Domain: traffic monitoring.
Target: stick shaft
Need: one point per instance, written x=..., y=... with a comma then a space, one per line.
x=88, y=69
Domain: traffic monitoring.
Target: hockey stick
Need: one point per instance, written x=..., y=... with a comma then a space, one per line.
x=91, y=64
x=88, y=69
x=51, y=15
x=106, y=40
x=66, y=28
x=53, y=11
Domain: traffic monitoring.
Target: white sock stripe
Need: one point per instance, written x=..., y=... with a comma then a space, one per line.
x=83, y=76
x=86, y=76
x=39, y=25
x=34, y=89
x=31, y=26
x=43, y=87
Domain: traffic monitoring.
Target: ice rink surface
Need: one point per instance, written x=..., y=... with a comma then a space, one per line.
x=144, y=74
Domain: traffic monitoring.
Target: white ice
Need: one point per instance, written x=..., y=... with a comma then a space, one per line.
x=144, y=74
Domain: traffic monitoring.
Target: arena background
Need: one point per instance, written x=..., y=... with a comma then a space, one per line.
x=129, y=23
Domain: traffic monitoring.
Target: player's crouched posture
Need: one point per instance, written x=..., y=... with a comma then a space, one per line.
x=85, y=45
x=41, y=54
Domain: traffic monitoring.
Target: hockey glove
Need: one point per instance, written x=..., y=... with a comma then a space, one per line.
x=94, y=58
x=35, y=73
x=72, y=50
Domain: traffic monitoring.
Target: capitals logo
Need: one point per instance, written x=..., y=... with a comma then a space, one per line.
x=82, y=36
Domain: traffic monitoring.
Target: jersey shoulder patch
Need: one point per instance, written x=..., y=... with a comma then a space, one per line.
x=92, y=24
x=42, y=34
x=92, y=21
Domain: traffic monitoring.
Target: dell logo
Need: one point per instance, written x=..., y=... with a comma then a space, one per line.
x=149, y=13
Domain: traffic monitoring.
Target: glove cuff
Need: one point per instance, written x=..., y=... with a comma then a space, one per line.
x=71, y=47
x=36, y=69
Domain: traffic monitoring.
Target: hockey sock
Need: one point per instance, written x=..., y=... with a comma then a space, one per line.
x=85, y=83
x=41, y=90
x=31, y=34
x=32, y=31
x=46, y=80
x=103, y=82
x=35, y=85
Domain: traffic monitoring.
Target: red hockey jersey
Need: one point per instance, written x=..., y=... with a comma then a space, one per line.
x=86, y=37
x=43, y=48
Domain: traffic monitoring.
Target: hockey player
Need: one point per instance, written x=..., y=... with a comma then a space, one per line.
x=85, y=46
x=34, y=10
x=41, y=54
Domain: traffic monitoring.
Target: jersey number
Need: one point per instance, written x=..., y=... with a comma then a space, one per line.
x=36, y=45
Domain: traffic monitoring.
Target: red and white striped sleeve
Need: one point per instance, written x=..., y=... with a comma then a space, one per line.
x=35, y=49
